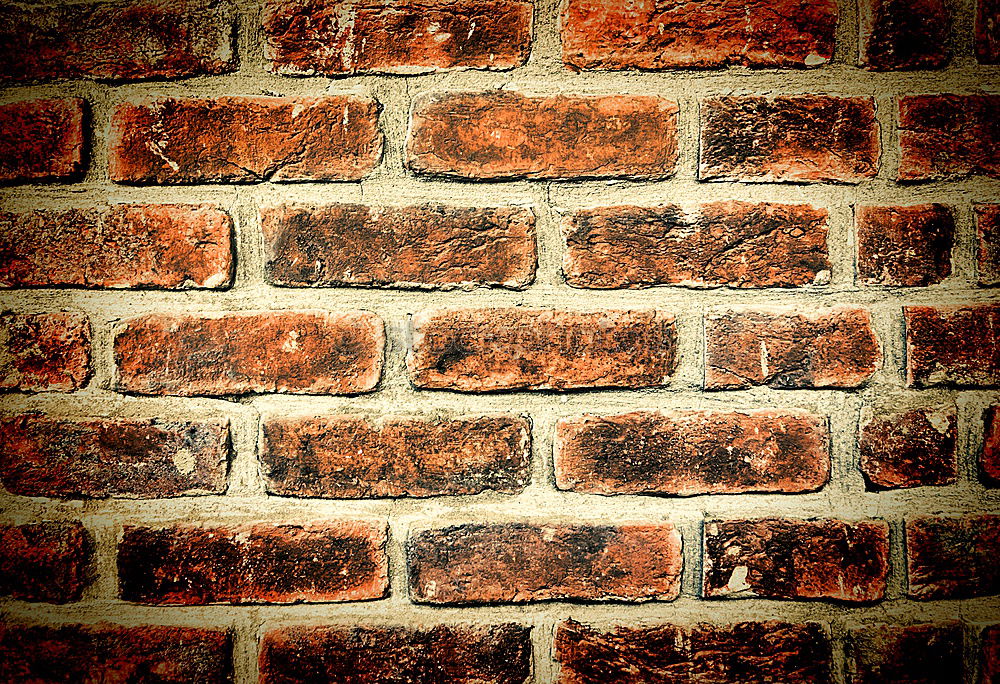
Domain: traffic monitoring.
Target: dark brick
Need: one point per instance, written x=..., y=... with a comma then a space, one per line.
x=889, y=654
x=989, y=672
x=989, y=457
x=44, y=352
x=952, y=345
x=953, y=557
x=949, y=136
x=913, y=448
x=45, y=561
x=988, y=235
x=908, y=246
x=41, y=139
x=988, y=31
x=904, y=34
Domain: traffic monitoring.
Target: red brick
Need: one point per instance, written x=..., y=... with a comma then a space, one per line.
x=334, y=37
x=45, y=561
x=988, y=234
x=914, y=448
x=952, y=345
x=174, y=246
x=293, y=352
x=675, y=34
x=949, y=136
x=693, y=452
x=787, y=348
x=904, y=34
x=988, y=32
x=953, y=557
x=491, y=654
x=502, y=134
x=413, y=246
x=796, y=559
x=746, y=652
x=989, y=672
x=914, y=653
x=101, y=457
x=788, y=139
x=349, y=457
x=114, y=653
x=189, y=565
x=41, y=140
x=739, y=244
x=244, y=140
x=904, y=246
x=521, y=562
x=44, y=352
x=117, y=41
x=989, y=457
x=484, y=350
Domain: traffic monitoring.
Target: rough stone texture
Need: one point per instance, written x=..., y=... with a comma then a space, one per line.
x=244, y=140
x=485, y=654
x=952, y=345
x=914, y=448
x=117, y=41
x=904, y=245
x=796, y=559
x=349, y=457
x=788, y=139
x=114, y=653
x=888, y=654
x=102, y=457
x=41, y=139
x=413, y=246
x=988, y=235
x=788, y=349
x=334, y=37
x=948, y=136
x=693, y=452
x=483, y=350
x=521, y=562
x=739, y=244
x=503, y=134
x=295, y=352
x=953, y=557
x=188, y=565
x=44, y=352
x=46, y=561
x=173, y=246
x=989, y=457
x=990, y=658
x=988, y=31
x=746, y=652
x=904, y=34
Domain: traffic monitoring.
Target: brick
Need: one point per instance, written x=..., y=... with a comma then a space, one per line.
x=499, y=654
x=747, y=652
x=45, y=561
x=988, y=236
x=784, y=349
x=779, y=558
x=172, y=246
x=522, y=562
x=988, y=31
x=953, y=557
x=502, y=134
x=114, y=653
x=484, y=350
x=904, y=246
x=788, y=139
x=350, y=457
x=191, y=566
x=904, y=34
x=990, y=656
x=411, y=246
x=944, y=137
x=244, y=140
x=47, y=352
x=952, y=345
x=927, y=653
x=331, y=37
x=117, y=41
x=677, y=35
x=914, y=448
x=989, y=457
x=41, y=140
x=693, y=452
x=737, y=244
x=292, y=352
x=104, y=457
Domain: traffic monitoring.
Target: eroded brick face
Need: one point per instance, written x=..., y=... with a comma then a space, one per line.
x=907, y=245
x=949, y=136
x=910, y=449
x=988, y=31
x=953, y=557
x=989, y=457
x=904, y=34
x=987, y=218
x=952, y=345
x=44, y=352
x=46, y=561
x=41, y=139
x=914, y=653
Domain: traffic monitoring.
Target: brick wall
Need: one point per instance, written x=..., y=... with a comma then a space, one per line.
x=454, y=340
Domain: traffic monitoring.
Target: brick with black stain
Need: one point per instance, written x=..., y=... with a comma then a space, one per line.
x=46, y=561
x=945, y=137
x=952, y=345
x=953, y=557
x=914, y=448
x=887, y=654
x=905, y=34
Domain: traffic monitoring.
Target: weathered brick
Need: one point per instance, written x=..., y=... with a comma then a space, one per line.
x=788, y=139
x=953, y=557
x=989, y=672
x=45, y=561
x=174, y=246
x=483, y=350
x=989, y=457
x=904, y=34
x=44, y=352
x=988, y=32
x=693, y=452
x=988, y=235
x=244, y=140
x=334, y=37
x=788, y=348
x=796, y=559
x=521, y=562
x=294, y=352
x=102, y=457
x=884, y=654
x=491, y=654
x=914, y=448
x=411, y=246
x=907, y=246
x=41, y=139
x=952, y=345
x=502, y=134
x=949, y=136
x=349, y=457
x=738, y=244
x=189, y=565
